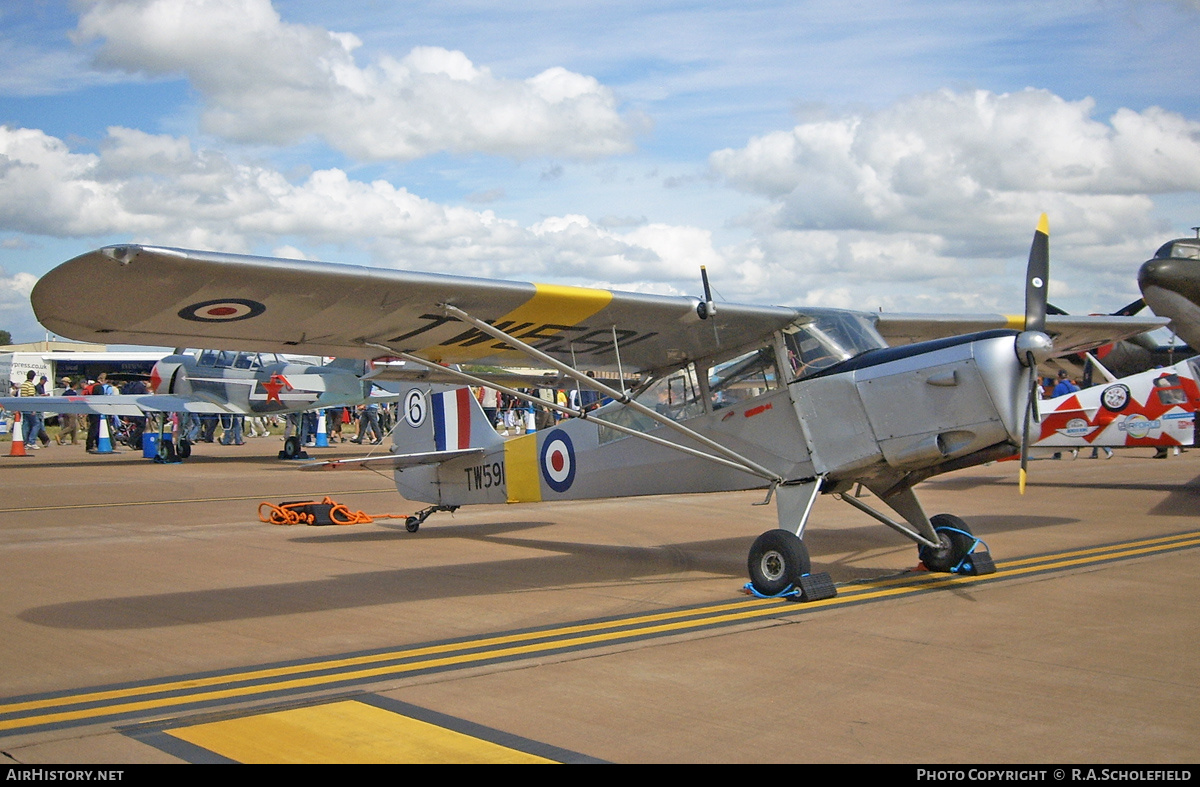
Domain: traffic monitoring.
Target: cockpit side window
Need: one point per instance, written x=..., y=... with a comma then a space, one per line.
x=675, y=395
x=207, y=358
x=744, y=377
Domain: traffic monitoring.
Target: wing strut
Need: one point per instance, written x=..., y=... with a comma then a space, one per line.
x=473, y=380
x=567, y=410
x=620, y=396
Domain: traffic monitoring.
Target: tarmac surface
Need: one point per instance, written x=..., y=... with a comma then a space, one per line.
x=148, y=616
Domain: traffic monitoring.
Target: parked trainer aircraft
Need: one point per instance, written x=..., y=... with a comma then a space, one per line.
x=795, y=401
x=1156, y=408
x=225, y=382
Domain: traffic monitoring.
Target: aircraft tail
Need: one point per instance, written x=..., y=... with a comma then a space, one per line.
x=441, y=418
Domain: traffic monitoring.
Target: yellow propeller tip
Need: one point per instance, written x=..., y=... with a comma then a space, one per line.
x=1021, y=482
x=1044, y=225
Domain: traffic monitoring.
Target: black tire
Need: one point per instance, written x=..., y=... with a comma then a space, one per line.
x=184, y=449
x=777, y=560
x=166, y=451
x=412, y=524
x=291, y=447
x=955, y=545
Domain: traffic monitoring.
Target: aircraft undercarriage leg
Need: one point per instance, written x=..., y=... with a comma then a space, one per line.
x=779, y=562
x=944, y=541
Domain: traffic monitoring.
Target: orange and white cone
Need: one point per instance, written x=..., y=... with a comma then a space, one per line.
x=18, y=437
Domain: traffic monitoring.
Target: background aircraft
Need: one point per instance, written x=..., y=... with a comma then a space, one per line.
x=1170, y=284
x=225, y=382
x=1156, y=408
x=797, y=401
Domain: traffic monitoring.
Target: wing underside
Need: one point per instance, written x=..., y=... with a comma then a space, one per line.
x=171, y=297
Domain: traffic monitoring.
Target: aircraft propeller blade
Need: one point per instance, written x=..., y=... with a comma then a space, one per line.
x=1037, y=277
x=1033, y=345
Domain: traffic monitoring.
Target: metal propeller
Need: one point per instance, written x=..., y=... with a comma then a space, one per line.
x=1033, y=344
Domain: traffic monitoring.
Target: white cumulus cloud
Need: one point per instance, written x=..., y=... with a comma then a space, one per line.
x=265, y=80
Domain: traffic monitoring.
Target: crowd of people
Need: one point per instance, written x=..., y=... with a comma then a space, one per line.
x=366, y=423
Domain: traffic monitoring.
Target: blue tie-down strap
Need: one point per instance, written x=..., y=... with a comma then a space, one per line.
x=813, y=587
x=791, y=591
x=973, y=563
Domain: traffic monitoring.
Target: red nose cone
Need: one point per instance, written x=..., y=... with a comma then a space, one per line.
x=155, y=379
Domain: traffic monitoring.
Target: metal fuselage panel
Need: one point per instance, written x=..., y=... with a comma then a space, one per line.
x=913, y=412
x=569, y=461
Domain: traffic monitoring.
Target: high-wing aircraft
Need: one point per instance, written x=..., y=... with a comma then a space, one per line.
x=223, y=381
x=796, y=401
x=1170, y=284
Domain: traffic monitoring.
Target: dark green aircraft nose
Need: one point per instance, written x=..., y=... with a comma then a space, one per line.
x=1174, y=274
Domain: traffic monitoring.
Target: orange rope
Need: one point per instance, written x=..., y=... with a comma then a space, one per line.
x=296, y=514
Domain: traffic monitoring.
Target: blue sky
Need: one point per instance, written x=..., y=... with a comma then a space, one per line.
x=859, y=154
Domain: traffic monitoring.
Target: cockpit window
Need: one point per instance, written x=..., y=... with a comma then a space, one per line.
x=744, y=377
x=246, y=361
x=676, y=395
x=207, y=358
x=831, y=337
x=1179, y=249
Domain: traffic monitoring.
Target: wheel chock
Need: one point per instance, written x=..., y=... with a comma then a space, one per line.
x=978, y=564
x=815, y=587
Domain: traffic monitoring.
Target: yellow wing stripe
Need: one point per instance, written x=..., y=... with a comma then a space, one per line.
x=551, y=304
x=523, y=480
x=559, y=304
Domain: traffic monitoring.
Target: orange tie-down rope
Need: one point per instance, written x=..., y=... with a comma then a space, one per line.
x=310, y=512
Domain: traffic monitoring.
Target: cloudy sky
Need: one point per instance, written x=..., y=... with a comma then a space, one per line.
x=859, y=153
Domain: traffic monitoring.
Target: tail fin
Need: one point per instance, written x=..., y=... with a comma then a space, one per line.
x=441, y=418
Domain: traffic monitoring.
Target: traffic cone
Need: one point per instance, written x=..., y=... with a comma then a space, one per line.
x=18, y=437
x=103, y=441
x=322, y=435
x=530, y=421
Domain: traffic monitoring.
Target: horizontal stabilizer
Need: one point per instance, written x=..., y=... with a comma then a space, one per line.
x=392, y=461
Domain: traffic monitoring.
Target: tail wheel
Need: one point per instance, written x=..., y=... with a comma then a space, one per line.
x=777, y=560
x=956, y=543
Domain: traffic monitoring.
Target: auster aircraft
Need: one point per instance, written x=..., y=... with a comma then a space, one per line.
x=797, y=401
x=225, y=382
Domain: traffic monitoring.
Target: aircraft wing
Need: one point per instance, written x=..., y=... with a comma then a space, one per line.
x=118, y=404
x=392, y=461
x=174, y=297
x=1072, y=333
x=171, y=297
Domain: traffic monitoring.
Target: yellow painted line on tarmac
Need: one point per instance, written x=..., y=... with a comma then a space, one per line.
x=344, y=732
x=393, y=664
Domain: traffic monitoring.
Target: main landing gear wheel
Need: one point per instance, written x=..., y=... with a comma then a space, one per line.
x=778, y=559
x=956, y=539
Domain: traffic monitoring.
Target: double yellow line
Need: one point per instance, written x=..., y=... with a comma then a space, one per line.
x=362, y=669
